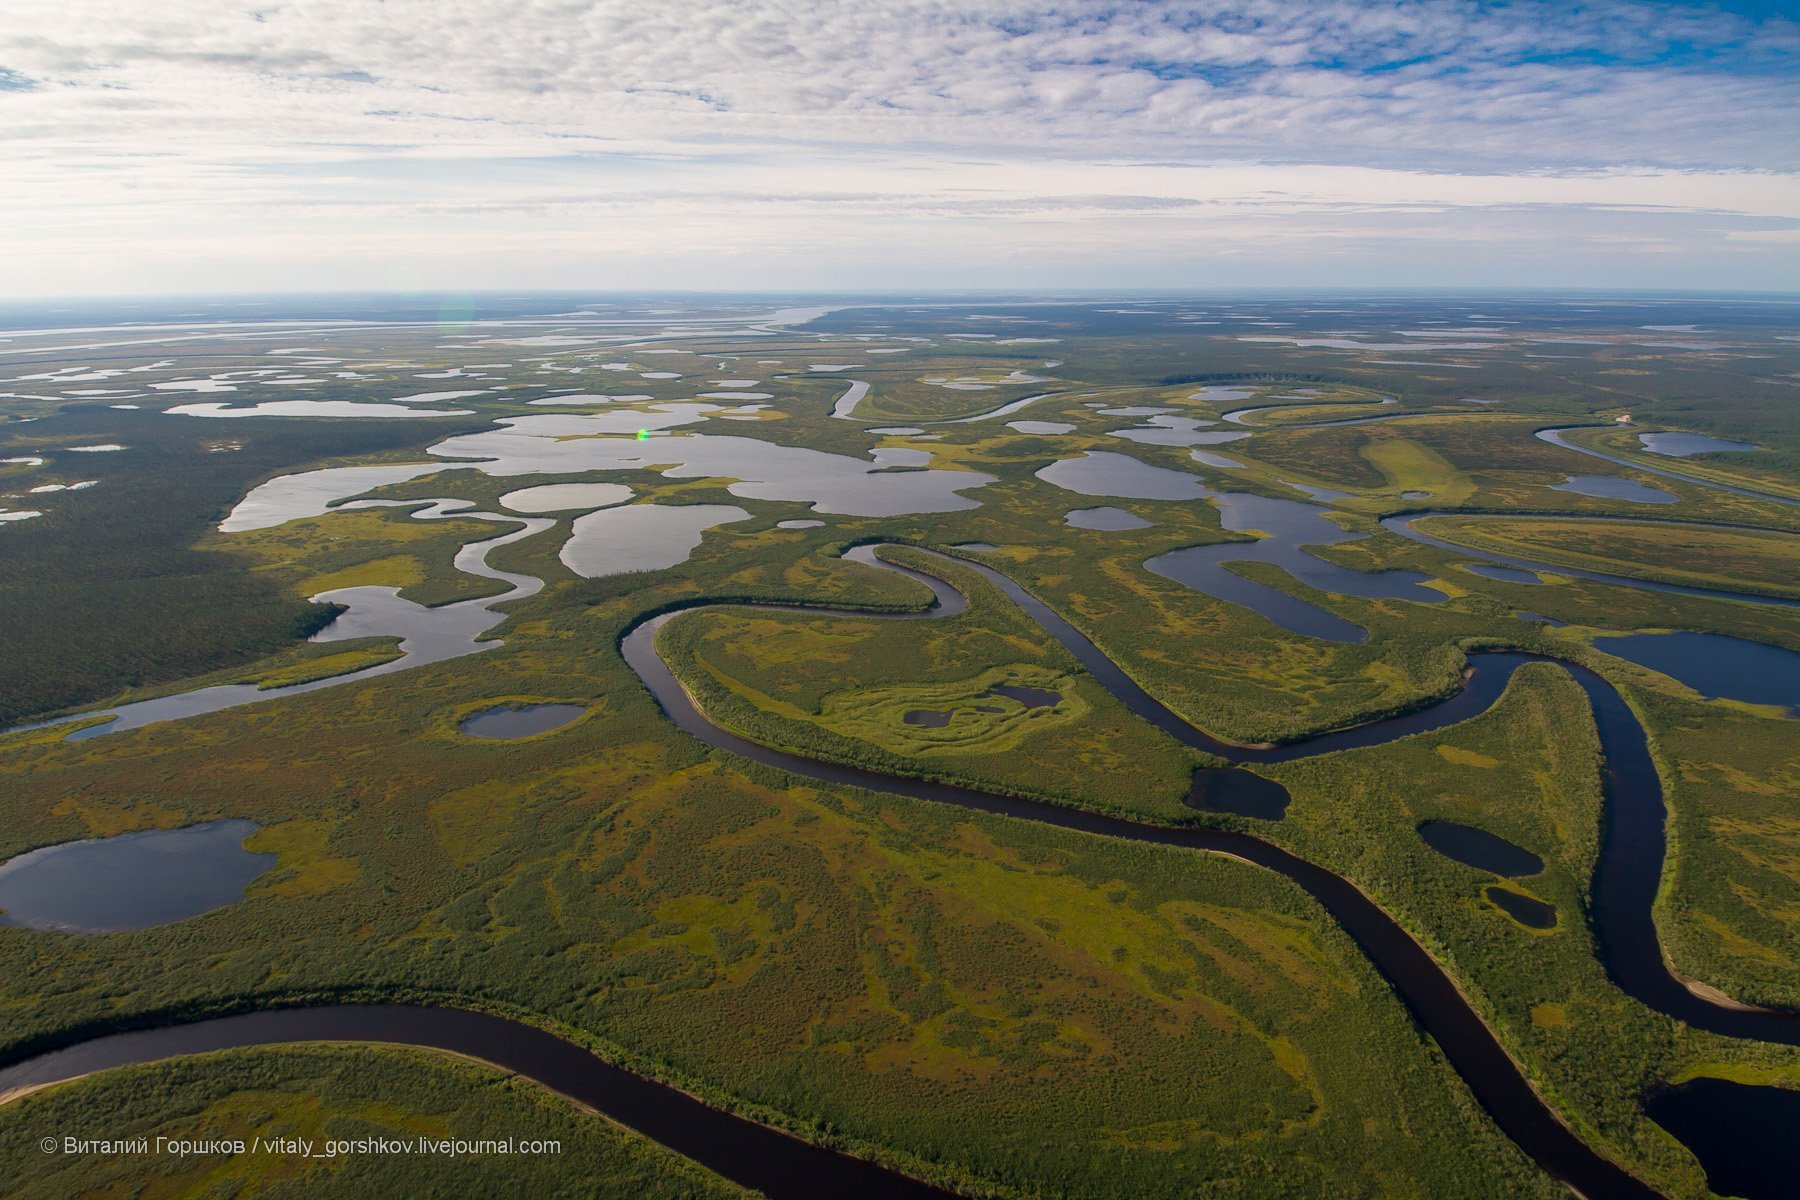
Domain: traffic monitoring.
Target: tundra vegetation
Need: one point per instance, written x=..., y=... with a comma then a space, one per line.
x=1009, y=1009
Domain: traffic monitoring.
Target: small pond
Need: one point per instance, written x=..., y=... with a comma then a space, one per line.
x=521, y=721
x=1239, y=792
x=131, y=881
x=1503, y=574
x=1532, y=913
x=1030, y=697
x=1612, y=487
x=1168, y=430
x=1479, y=849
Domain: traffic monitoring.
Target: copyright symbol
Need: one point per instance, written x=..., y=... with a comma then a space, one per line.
x=49, y=1145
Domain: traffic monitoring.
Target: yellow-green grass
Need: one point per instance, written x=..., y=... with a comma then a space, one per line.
x=1347, y=409
x=842, y=687
x=966, y=996
x=959, y=994
x=1473, y=442
x=325, y=665
x=379, y=547
x=323, y=1094
x=1766, y=561
x=1410, y=466
x=1730, y=913
x=982, y=722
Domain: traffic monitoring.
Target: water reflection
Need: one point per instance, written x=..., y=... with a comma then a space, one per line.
x=641, y=537
x=131, y=881
x=574, y=444
x=1612, y=487
x=1682, y=445
x=427, y=635
x=1716, y=666
x=525, y=720
x=1527, y=911
x=1285, y=525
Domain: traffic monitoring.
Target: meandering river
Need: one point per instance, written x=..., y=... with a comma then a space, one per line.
x=1624, y=888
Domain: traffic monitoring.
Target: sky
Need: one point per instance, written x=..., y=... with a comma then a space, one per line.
x=199, y=145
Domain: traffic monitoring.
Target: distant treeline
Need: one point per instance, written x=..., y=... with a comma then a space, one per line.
x=107, y=590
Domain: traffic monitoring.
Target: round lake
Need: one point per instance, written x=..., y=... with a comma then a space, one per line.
x=131, y=881
x=524, y=720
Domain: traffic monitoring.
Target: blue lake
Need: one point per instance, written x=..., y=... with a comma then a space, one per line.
x=1681, y=445
x=1612, y=487
x=523, y=721
x=1716, y=666
x=131, y=881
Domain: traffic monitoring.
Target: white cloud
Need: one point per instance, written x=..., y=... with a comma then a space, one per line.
x=700, y=134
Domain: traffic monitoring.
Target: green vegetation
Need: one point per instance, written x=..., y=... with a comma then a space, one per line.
x=1768, y=470
x=116, y=586
x=1731, y=909
x=383, y=547
x=840, y=689
x=1012, y=1009
x=1758, y=560
x=320, y=1094
x=1528, y=771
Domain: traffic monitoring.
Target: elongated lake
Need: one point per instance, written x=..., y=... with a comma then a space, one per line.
x=1716, y=666
x=525, y=720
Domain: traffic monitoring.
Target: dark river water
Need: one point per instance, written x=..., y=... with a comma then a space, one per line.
x=743, y=1151
x=1747, y=1137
